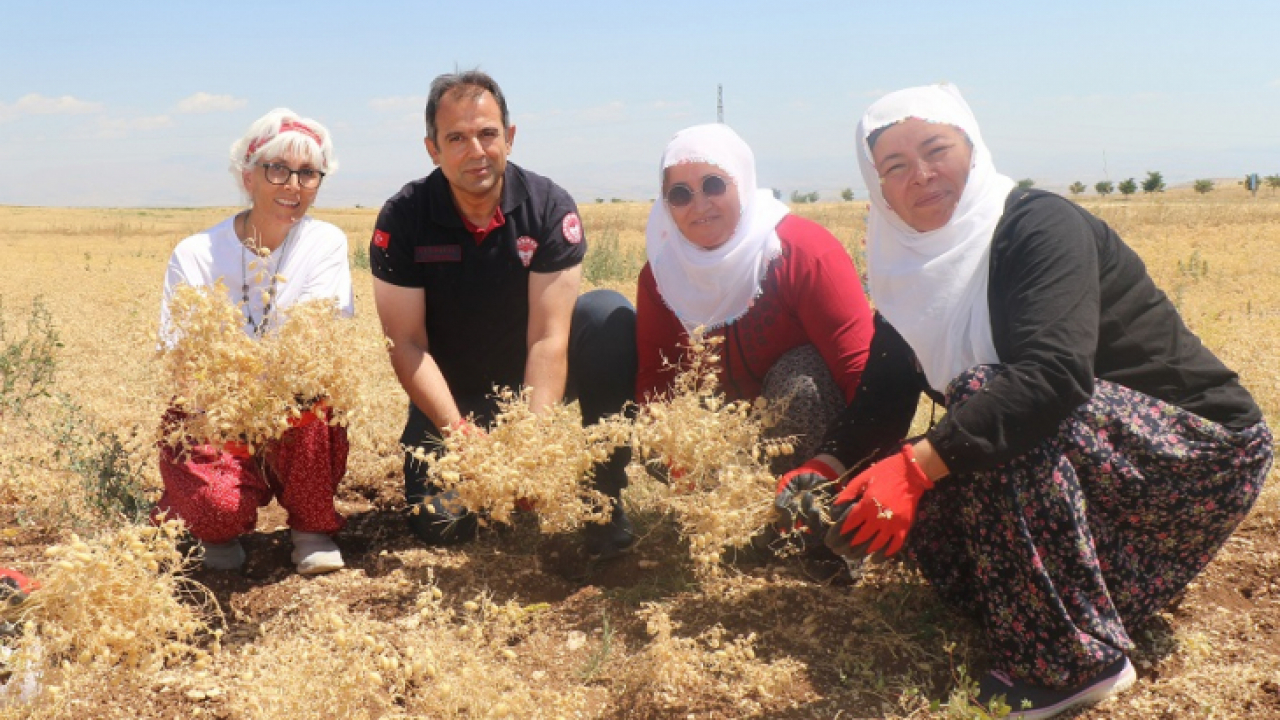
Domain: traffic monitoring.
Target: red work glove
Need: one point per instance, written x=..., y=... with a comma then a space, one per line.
x=795, y=503
x=878, y=506
x=15, y=586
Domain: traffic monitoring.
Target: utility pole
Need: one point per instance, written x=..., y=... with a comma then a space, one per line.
x=720, y=104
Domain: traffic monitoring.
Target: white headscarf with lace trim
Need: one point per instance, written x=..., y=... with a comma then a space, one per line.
x=932, y=286
x=714, y=287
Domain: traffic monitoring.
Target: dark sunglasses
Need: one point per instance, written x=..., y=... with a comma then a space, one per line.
x=680, y=194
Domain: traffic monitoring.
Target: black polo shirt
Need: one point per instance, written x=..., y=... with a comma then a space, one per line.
x=477, y=294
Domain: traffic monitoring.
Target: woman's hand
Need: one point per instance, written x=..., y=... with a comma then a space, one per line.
x=878, y=506
x=929, y=460
x=796, y=504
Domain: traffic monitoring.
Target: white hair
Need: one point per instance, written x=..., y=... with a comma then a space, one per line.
x=282, y=132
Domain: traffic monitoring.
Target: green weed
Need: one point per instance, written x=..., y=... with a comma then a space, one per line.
x=27, y=364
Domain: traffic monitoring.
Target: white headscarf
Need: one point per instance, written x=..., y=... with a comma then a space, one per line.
x=932, y=286
x=714, y=287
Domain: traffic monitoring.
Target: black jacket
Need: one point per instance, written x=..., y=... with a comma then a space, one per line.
x=1069, y=302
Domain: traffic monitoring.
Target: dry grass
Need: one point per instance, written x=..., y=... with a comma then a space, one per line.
x=510, y=625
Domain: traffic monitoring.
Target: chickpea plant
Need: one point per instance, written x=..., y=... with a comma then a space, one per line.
x=721, y=491
x=672, y=668
x=229, y=388
x=527, y=459
x=721, y=487
x=439, y=660
x=117, y=603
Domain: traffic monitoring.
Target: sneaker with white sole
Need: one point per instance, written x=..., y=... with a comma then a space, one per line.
x=1031, y=702
x=315, y=553
x=223, y=556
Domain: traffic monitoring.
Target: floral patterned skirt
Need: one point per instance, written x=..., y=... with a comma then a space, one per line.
x=801, y=385
x=1061, y=551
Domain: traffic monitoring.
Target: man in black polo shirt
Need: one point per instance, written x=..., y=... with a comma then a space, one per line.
x=477, y=269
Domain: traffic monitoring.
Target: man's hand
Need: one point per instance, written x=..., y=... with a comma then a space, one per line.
x=878, y=506
x=672, y=476
x=317, y=412
x=464, y=427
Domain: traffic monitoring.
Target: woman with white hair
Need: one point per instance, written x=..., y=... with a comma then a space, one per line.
x=1094, y=455
x=269, y=257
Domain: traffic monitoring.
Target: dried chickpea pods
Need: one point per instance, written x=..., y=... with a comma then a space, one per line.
x=720, y=488
x=229, y=388
x=527, y=459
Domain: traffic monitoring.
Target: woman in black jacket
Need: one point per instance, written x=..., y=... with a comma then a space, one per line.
x=1094, y=455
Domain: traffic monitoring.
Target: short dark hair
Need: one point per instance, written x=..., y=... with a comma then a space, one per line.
x=473, y=83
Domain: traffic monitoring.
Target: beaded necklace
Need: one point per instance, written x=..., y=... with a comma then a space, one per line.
x=259, y=327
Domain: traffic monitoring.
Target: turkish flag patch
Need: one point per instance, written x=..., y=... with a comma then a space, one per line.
x=525, y=247
x=571, y=226
x=381, y=239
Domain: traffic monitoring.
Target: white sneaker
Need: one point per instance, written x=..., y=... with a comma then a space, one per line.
x=315, y=553
x=223, y=556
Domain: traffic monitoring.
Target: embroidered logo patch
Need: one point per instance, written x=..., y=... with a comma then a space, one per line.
x=438, y=253
x=571, y=226
x=381, y=239
x=525, y=247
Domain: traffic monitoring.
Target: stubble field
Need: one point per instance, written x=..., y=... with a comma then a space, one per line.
x=516, y=624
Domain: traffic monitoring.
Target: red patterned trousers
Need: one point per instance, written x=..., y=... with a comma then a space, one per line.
x=217, y=492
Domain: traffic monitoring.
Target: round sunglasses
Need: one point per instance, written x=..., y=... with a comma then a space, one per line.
x=680, y=194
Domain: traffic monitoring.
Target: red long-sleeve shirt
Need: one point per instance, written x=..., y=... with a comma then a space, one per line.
x=811, y=295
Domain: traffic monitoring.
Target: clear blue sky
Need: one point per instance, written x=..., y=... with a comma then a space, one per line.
x=135, y=103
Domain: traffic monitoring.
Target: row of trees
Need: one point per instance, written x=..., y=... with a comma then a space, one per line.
x=1272, y=181
x=1153, y=183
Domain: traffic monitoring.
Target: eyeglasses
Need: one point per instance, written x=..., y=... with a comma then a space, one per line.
x=680, y=194
x=279, y=173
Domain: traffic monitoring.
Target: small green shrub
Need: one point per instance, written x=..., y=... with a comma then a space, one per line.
x=360, y=258
x=27, y=364
x=607, y=261
x=109, y=471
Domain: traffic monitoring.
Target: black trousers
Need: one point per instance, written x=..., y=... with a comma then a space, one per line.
x=602, y=378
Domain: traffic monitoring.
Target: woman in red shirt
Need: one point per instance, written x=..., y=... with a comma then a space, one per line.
x=780, y=290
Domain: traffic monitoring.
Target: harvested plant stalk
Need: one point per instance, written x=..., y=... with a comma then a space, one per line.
x=118, y=601
x=544, y=460
x=721, y=488
x=233, y=389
